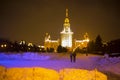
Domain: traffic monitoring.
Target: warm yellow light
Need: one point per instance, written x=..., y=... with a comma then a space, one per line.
x=22, y=42
x=31, y=74
x=41, y=46
x=66, y=20
x=30, y=44
x=80, y=74
x=2, y=46
x=5, y=45
x=87, y=40
x=38, y=73
x=66, y=43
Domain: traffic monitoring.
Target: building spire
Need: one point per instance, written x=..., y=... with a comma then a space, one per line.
x=66, y=22
x=66, y=19
x=66, y=12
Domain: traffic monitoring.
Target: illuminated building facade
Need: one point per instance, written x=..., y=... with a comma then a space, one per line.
x=66, y=34
x=50, y=43
x=66, y=39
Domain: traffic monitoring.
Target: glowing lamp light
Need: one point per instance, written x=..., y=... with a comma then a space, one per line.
x=40, y=49
x=22, y=42
x=87, y=40
x=41, y=46
x=3, y=45
x=30, y=44
x=29, y=48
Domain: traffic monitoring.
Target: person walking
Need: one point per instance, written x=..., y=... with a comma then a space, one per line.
x=73, y=56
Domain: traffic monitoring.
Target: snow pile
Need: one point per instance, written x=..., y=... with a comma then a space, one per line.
x=2, y=72
x=38, y=73
x=80, y=74
x=30, y=74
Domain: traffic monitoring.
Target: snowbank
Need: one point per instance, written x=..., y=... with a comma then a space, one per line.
x=81, y=74
x=38, y=73
x=28, y=74
x=2, y=72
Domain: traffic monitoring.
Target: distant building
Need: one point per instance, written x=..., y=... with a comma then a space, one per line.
x=66, y=39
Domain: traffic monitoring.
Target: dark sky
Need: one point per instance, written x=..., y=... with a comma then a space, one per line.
x=29, y=20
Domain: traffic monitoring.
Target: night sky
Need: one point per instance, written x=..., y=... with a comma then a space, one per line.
x=29, y=20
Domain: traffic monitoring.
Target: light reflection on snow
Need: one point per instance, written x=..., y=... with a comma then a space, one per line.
x=23, y=56
x=38, y=73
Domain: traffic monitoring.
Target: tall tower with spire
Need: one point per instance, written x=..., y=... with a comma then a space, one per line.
x=66, y=34
x=66, y=39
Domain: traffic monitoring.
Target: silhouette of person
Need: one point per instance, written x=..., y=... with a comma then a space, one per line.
x=73, y=56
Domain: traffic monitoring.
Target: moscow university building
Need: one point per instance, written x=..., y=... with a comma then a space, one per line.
x=66, y=39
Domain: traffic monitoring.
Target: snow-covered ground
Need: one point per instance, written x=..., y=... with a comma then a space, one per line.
x=58, y=62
